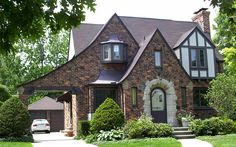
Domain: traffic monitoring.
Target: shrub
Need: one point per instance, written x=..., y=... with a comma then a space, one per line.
x=83, y=128
x=4, y=93
x=1, y=103
x=14, y=119
x=213, y=125
x=107, y=116
x=143, y=127
x=163, y=130
x=228, y=126
x=24, y=138
x=91, y=138
x=110, y=135
x=234, y=127
x=197, y=127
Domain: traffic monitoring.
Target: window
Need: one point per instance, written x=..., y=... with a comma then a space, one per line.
x=112, y=53
x=198, y=97
x=106, y=52
x=184, y=97
x=134, y=96
x=193, y=57
x=198, y=58
x=116, y=52
x=158, y=100
x=158, y=58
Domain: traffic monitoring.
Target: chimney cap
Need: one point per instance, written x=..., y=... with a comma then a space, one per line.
x=202, y=9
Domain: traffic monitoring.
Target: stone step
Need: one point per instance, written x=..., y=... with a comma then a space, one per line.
x=180, y=128
x=182, y=132
x=189, y=136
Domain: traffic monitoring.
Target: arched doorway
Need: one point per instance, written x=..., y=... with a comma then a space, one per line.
x=158, y=105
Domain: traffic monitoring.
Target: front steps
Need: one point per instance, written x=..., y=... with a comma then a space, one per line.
x=182, y=133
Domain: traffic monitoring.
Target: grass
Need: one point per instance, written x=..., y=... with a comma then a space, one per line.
x=15, y=144
x=220, y=140
x=152, y=142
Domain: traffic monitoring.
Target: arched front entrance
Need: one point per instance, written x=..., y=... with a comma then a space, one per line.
x=162, y=87
x=158, y=105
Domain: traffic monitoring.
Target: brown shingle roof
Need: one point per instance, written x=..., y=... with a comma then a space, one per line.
x=46, y=103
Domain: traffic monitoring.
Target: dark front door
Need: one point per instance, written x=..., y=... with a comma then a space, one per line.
x=158, y=106
x=100, y=94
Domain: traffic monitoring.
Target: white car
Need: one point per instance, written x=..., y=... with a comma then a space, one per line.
x=40, y=125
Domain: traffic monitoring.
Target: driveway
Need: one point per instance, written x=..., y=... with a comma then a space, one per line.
x=57, y=139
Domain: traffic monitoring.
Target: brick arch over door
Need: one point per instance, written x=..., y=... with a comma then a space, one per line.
x=171, y=98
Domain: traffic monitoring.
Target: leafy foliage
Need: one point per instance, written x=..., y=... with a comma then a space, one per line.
x=4, y=93
x=144, y=127
x=221, y=95
x=230, y=59
x=107, y=116
x=212, y=126
x=24, y=138
x=14, y=119
x=33, y=60
x=83, y=128
x=21, y=19
x=225, y=32
x=227, y=7
x=110, y=135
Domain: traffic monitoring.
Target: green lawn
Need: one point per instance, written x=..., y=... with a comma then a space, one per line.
x=220, y=140
x=153, y=142
x=15, y=144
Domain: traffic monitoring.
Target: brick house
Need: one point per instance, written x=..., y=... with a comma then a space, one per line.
x=151, y=66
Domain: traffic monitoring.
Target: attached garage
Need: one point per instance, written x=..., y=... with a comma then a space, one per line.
x=48, y=108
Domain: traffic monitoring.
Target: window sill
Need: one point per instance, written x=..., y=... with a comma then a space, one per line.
x=202, y=108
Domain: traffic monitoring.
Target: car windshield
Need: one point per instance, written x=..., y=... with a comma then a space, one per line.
x=40, y=121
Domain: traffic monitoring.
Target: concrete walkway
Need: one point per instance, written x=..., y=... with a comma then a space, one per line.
x=194, y=143
x=56, y=139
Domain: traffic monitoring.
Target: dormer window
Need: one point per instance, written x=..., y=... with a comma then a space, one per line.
x=113, y=50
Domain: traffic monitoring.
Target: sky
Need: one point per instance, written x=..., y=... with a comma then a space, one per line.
x=161, y=9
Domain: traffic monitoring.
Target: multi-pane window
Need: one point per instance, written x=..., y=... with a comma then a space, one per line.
x=116, y=52
x=134, y=96
x=106, y=52
x=198, y=97
x=158, y=58
x=198, y=58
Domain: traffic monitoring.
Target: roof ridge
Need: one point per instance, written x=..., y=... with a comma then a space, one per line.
x=150, y=18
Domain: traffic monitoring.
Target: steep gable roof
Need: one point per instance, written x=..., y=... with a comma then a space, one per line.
x=46, y=103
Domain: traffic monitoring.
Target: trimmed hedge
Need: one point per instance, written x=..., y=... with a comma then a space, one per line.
x=212, y=126
x=14, y=119
x=83, y=128
x=4, y=93
x=144, y=127
x=108, y=116
x=25, y=138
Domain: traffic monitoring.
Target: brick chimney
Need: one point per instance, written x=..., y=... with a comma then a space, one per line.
x=202, y=18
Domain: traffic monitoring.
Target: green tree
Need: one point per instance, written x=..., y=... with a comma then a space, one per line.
x=225, y=32
x=4, y=93
x=230, y=60
x=107, y=116
x=14, y=118
x=227, y=7
x=222, y=95
x=33, y=59
x=21, y=19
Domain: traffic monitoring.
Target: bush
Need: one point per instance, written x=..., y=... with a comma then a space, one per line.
x=197, y=127
x=91, y=138
x=110, y=135
x=14, y=119
x=228, y=126
x=144, y=127
x=1, y=103
x=83, y=128
x=213, y=125
x=163, y=130
x=4, y=93
x=24, y=138
x=107, y=116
